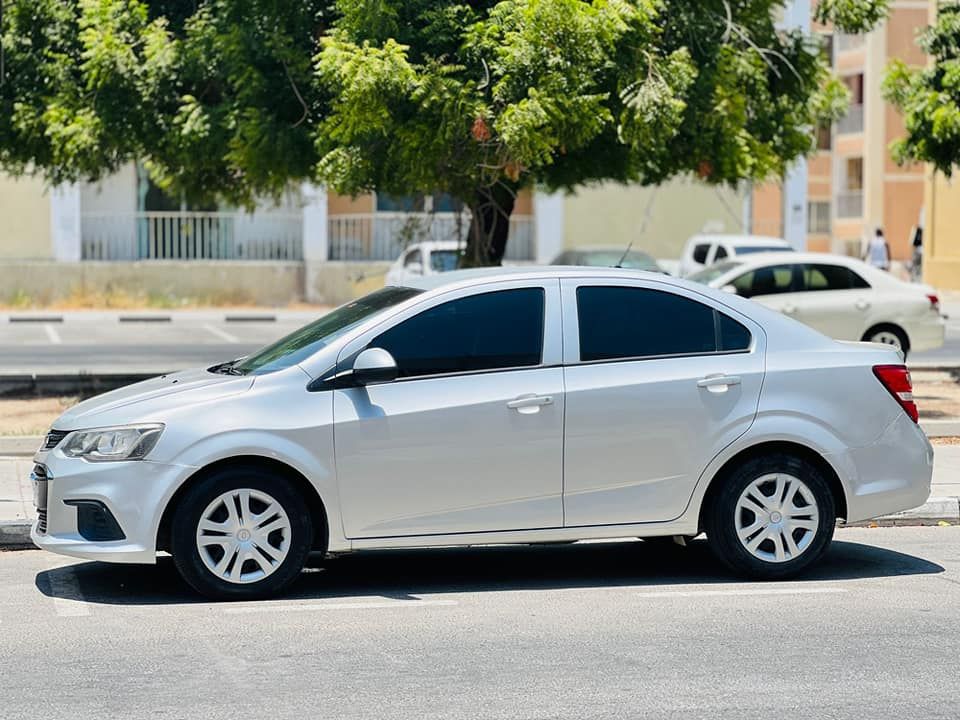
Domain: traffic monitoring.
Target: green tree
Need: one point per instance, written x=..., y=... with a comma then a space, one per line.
x=929, y=97
x=238, y=98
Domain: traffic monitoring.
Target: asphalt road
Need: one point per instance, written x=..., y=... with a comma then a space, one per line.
x=618, y=630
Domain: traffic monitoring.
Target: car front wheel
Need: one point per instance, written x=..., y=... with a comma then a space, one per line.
x=772, y=518
x=240, y=535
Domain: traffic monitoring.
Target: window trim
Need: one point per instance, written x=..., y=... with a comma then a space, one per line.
x=571, y=320
x=551, y=351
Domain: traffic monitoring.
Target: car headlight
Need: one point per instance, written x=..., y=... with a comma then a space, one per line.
x=129, y=442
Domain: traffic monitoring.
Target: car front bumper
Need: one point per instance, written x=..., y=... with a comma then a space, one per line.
x=927, y=334
x=133, y=493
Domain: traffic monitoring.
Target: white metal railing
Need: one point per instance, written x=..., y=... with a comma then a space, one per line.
x=383, y=235
x=852, y=122
x=191, y=236
x=850, y=204
x=845, y=42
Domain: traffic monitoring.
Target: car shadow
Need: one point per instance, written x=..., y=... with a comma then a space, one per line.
x=405, y=574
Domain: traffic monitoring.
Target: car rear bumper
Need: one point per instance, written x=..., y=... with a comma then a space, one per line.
x=889, y=475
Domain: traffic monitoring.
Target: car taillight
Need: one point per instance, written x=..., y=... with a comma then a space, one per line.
x=896, y=379
x=934, y=301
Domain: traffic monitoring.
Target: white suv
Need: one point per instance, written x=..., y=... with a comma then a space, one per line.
x=703, y=250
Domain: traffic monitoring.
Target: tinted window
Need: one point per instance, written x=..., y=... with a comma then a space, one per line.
x=303, y=343
x=767, y=281
x=721, y=253
x=444, y=260
x=479, y=332
x=733, y=335
x=751, y=249
x=700, y=253
x=625, y=322
x=831, y=277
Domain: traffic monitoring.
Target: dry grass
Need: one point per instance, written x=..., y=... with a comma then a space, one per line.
x=937, y=395
x=118, y=299
x=33, y=416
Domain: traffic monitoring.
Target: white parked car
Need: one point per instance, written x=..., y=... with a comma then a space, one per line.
x=704, y=250
x=840, y=296
x=476, y=407
x=424, y=259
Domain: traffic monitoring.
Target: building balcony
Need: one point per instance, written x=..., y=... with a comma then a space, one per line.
x=852, y=122
x=850, y=205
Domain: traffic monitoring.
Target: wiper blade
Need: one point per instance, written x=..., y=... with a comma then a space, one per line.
x=228, y=368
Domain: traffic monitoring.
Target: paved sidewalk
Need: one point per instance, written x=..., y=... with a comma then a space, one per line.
x=17, y=512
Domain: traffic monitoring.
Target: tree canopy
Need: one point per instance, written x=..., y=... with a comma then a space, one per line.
x=235, y=99
x=929, y=97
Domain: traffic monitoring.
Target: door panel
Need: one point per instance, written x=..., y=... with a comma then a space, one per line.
x=639, y=433
x=450, y=455
x=839, y=314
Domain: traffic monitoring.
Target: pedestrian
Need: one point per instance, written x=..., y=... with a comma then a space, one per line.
x=916, y=267
x=878, y=251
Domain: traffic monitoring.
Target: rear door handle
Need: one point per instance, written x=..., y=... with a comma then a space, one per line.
x=718, y=383
x=861, y=304
x=529, y=403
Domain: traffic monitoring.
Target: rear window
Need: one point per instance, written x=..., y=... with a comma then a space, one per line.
x=626, y=322
x=751, y=249
x=832, y=277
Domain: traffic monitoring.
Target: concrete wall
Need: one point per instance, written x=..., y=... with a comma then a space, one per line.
x=611, y=215
x=24, y=219
x=334, y=283
x=262, y=283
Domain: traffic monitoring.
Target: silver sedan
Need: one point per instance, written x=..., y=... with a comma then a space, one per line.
x=476, y=407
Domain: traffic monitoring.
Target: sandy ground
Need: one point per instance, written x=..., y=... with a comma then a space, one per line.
x=31, y=417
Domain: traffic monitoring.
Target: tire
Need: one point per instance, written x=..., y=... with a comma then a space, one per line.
x=807, y=520
x=889, y=335
x=269, y=532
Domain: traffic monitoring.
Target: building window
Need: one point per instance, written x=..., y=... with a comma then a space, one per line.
x=826, y=46
x=818, y=217
x=854, y=179
x=824, y=141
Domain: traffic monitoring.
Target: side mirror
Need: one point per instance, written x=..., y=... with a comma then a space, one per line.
x=414, y=268
x=730, y=289
x=374, y=365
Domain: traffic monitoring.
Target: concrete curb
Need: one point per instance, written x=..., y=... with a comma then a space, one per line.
x=15, y=535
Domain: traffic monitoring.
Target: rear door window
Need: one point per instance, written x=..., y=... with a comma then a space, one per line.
x=831, y=277
x=617, y=322
x=770, y=280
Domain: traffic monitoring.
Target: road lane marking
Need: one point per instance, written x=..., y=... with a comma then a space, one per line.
x=68, y=600
x=222, y=334
x=52, y=335
x=741, y=592
x=306, y=607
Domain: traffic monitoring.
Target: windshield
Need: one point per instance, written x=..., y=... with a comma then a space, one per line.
x=632, y=260
x=444, y=260
x=751, y=249
x=303, y=343
x=709, y=274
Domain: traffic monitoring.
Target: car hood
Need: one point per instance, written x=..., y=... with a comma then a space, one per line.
x=142, y=400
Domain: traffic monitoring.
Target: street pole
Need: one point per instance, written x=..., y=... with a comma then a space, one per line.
x=796, y=16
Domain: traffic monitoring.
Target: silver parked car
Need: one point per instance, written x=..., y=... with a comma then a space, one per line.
x=535, y=405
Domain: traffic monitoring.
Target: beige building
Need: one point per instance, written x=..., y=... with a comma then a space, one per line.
x=853, y=185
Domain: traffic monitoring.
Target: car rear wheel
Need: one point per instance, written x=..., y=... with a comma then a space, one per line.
x=772, y=518
x=240, y=534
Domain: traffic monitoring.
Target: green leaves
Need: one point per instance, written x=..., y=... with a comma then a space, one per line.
x=929, y=97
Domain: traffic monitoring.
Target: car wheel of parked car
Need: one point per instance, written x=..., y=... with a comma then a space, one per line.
x=240, y=534
x=772, y=517
x=888, y=335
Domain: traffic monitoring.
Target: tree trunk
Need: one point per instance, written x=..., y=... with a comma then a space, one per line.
x=489, y=226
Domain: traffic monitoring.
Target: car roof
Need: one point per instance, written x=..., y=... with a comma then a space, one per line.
x=770, y=258
x=606, y=249
x=435, y=245
x=524, y=272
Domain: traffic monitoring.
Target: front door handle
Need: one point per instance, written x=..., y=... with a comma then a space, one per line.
x=718, y=383
x=529, y=403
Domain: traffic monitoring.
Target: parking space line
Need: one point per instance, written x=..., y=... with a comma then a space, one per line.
x=307, y=607
x=222, y=334
x=52, y=334
x=742, y=592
